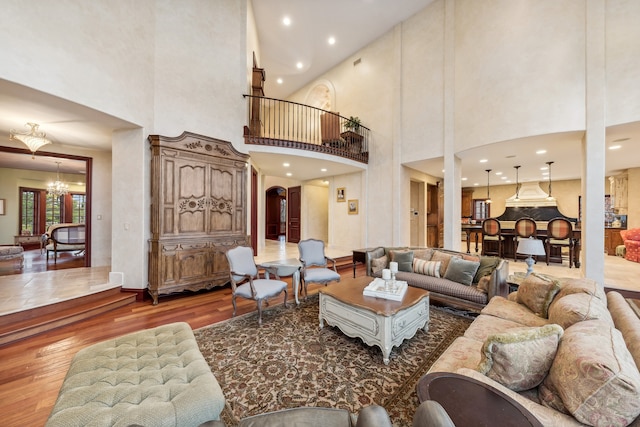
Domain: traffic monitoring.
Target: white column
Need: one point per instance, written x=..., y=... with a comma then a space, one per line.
x=593, y=146
x=452, y=175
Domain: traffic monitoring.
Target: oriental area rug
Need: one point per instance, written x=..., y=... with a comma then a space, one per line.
x=290, y=362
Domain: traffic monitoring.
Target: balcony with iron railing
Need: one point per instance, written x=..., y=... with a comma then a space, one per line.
x=279, y=123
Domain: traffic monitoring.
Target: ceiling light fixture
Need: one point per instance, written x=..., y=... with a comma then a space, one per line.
x=332, y=40
x=549, y=197
x=33, y=139
x=57, y=188
x=614, y=147
x=517, y=184
x=286, y=21
x=488, y=198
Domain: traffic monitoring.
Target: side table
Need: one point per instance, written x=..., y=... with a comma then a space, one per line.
x=359, y=255
x=284, y=268
x=470, y=402
x=514, y=281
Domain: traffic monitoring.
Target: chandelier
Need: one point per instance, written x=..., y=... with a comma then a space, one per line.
x=57, y=188
x=33, y=139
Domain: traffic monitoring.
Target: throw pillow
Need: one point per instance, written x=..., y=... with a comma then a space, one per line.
x=487, y=265
x=574, y=308
x=424, y=254
x=536, y=292
x=444, y=258
x=593, y=376
x=404, y=260
x=378, y=264
x=461, y=271
x=428, y=268
x=520, y=358
x=483, y=284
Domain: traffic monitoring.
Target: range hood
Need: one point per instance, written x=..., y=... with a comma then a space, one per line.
x=530, y=195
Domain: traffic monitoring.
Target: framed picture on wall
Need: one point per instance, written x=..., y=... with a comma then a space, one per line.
x=341, y=194
x=353, y=207
x=2, y=206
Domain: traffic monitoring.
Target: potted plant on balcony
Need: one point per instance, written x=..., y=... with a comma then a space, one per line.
x=352, y=124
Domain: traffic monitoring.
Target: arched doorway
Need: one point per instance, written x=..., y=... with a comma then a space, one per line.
x=276, y=213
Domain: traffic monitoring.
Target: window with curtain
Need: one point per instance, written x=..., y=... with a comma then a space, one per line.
x=480, y=209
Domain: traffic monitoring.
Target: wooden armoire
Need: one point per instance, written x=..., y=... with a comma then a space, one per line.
x=198, y=212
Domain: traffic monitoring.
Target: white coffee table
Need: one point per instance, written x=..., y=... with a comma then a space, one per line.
x=376, y=321
x=285, y=268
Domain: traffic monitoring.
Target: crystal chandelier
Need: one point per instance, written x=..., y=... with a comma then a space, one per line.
x=57, y=188
x=33, y=139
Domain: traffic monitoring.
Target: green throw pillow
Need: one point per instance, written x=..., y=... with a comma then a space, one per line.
x=404, y=260
x=461, y=271
x=487, y=265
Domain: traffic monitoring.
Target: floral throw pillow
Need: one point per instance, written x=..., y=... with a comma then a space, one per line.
x=520, y=358
x=537, y=292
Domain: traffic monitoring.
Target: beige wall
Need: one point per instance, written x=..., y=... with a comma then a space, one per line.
x=315, y=213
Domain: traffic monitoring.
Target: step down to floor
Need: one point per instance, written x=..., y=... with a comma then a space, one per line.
x=24, y=324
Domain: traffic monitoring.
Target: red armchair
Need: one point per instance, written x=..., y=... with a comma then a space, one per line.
x=631, y=240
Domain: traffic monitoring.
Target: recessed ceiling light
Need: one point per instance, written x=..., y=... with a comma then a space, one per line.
x=503, y=177
x=483, y=160
x=541, y=151
x=286, y=21
x=475, y=184
x=279, y=81
x=544, y=168
x=323, y=170
x=545, y=173
x=332, y=40
x=498, y=173
x=508, y=181
x=289, y=174
x=286, y=165
x=464, y=178
x=614, y=147
x=299, y=65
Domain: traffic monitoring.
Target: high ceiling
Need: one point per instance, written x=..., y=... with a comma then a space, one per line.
x=305, y=41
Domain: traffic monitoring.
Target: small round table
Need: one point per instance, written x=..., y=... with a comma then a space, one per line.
x=284, y=268
x=470, y=402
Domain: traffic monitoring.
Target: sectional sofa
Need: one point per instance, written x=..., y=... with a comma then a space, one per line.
x=562, y=348
x=452, y=278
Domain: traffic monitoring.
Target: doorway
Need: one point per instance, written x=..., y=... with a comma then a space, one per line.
x=276, y=213
x=21, y=211
x=416, y=212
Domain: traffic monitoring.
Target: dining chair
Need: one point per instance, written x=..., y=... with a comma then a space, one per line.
x=523, y=229
x=315, y=264
x=246, y=282
x=492, y=234
x=559, y=235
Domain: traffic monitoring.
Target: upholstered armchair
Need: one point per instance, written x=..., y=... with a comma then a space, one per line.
x=246, y=283
x=315, y=264
x=631, y=239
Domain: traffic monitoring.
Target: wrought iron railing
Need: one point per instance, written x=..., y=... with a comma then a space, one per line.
x=280, y=123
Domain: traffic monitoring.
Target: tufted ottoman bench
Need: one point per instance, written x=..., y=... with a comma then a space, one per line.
x=155, y=377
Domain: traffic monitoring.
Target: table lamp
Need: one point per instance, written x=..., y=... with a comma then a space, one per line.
x=530, y=247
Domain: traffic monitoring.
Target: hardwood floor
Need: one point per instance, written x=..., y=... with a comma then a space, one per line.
x=36, y=262
x=32, y=370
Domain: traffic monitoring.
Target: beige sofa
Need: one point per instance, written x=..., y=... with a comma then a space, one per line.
x=562, y=348
x=444, y=287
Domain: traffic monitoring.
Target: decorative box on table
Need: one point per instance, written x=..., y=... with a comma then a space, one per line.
x=378, y=289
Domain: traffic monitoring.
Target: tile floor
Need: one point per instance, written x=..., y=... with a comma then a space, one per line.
x=30, y=290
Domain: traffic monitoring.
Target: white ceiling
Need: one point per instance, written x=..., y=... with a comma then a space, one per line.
x=305, y=40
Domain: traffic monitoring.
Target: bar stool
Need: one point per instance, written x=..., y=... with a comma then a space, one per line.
x=559, y=235
x=492, y=233
x=524, y=228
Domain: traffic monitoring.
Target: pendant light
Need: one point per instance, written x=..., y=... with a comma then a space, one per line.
x=517, y=185
x=488, y=197
x=549, y=197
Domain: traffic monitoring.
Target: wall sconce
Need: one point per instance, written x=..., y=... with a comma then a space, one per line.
x=488, y=198
x=33, y=139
